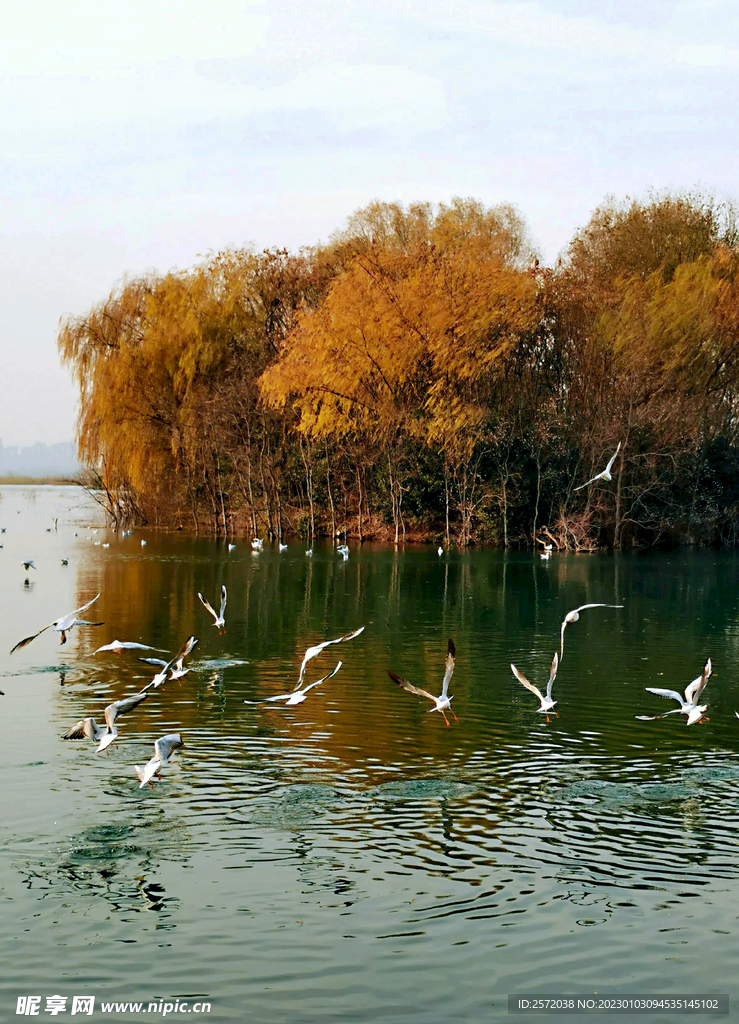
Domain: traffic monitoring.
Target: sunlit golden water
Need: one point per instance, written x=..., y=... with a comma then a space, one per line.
x=352, y=858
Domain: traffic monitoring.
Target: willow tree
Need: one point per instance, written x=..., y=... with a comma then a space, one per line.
x=404, y=346
x=167, y=369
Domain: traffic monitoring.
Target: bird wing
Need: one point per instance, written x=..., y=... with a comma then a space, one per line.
x=167, y=745
x=28, y=639
x=591, y=481
x=183, y=652
x=410, y=687
x=696, y=688
x=598, y=604
x=318, y=681
x=562, y=639
x=524, y=682
x=224, y=597
x=651, y=718
x=120, y=707
x=83, y=622
x=313, y=651
x=672, y=694
x=449, y=663
x=613, y=458
x=84, y=608
x=79, y=731
x=155, y=661
x=552, y=675
x=206, y=604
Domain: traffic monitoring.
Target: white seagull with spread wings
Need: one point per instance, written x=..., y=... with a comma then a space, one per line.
x=298, y=695
x=606, y=474
x=443, y=702
x=125, y=645
x=313, y=651
x=689, y=705
x=88, y=727
x=545, y=702
x=573, y=616
x=219, y=621
x=63, y=625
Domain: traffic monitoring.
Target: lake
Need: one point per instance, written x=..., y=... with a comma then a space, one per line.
x=352, y=858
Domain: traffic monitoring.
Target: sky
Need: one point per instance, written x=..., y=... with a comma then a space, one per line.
x=143, y=135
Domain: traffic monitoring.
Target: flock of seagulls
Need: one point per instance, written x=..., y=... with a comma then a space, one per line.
x=166, y=747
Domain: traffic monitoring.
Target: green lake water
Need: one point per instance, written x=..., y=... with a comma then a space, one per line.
x=352, y=858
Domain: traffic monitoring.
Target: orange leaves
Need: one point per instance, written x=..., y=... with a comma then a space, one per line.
x=403, y=343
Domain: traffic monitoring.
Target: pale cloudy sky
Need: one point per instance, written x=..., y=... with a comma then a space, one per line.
x=140, y=134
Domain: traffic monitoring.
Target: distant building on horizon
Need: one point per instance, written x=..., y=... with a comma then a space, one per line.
x=40, y=460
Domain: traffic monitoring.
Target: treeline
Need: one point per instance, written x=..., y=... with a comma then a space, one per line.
x=422, y=375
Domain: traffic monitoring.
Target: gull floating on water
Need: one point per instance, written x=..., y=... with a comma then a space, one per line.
x=298, y=695
x=62, y=625
x=343, y=550
x=219, y=620
x=313, y=651
x=165, y=749
x=442, y=703
x=689, y=705
x=231, y=547
x=125, y=645
x=257, y=544
x=174, y=667
x=606, y=474
x=545, y=702
x=309, y=552
x=88, y=727
x=283, y=547
x=573, y=616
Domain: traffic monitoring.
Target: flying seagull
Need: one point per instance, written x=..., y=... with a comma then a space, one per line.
x=165, y=749
x=573, y=616
x=218, y=620
x=442, y=703
x=298, y=695
x=88, y=727
x=177, y=671
x=606, y=474
x=689, y=705
x=127, y=645
x=63, y=625
x=313, y=651
x=28, y=565
x=545, y=703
